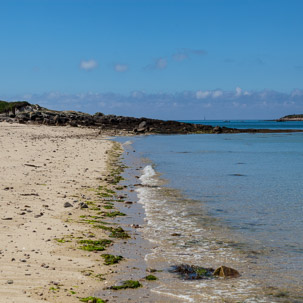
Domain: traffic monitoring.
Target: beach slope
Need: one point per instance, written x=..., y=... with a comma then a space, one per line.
x=43, y=170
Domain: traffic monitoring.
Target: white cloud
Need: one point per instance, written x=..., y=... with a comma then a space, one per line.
x=88, y=65
x=205, y=94
x=185, y=53
x=159, y=64
x=238, y=91
x=217, y=94
x=202, y=94
x=121, y=68
x=297, y=93
x=137, y=94
x=180, y=56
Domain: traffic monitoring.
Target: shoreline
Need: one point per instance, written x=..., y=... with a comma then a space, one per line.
x=50, y=251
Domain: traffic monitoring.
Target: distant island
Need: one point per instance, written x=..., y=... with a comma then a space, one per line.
x=291, y=118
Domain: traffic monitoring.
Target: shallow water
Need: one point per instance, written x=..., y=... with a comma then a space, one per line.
x=235, y=200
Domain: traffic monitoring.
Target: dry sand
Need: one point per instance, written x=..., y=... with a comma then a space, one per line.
x=43, y=167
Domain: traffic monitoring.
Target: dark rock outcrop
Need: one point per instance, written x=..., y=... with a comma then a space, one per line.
x=35, y=114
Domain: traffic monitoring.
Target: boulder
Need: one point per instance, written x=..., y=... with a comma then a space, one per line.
x=143, y=124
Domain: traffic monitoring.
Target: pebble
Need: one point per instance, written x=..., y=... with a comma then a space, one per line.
x=67, y=204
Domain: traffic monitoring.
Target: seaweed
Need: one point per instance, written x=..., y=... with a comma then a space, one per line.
x=127, y=284
x=118, y=232
x=113, y=214
x=92, y=300
x=151, y=278
x=94, y=245
x=111, y=259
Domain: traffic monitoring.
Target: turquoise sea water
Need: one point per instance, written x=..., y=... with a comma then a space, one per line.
x=235, y=199
x=244, y=124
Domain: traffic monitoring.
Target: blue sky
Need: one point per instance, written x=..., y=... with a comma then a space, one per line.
x=170, y=59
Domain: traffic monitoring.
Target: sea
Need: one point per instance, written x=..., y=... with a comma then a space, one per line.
x=224, y=199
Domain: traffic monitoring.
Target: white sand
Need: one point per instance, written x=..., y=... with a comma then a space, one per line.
x=43, y=167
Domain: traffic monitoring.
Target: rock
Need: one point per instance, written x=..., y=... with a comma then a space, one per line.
x=143, y=124
x=226, y=272
x=192, y=272
x=83, y=205
x=73, y=124
x=67, y=204
x=217, y=130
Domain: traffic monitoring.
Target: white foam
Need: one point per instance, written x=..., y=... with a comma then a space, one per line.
x=127, y=142
x=147, y=177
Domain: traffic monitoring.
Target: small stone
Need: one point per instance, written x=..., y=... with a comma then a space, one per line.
x=226, y=272
x=83, y=205
x=67, y=204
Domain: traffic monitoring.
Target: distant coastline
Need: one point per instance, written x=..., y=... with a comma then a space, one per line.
x=291, y=118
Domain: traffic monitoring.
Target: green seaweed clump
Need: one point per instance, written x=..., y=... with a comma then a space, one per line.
x=127, y=284
x=92, y=299
x=62, y=240
x=113, y=214
x=119, y=232
x=151, y=278
x=108, y=206
x=111, y=259
x=94, y=245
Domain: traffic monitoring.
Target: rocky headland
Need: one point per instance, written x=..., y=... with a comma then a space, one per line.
x=26, y=113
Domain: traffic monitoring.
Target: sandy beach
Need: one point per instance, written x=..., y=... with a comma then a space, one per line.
x=42, y=168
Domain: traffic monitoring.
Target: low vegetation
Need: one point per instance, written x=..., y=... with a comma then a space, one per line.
x=8, y=106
